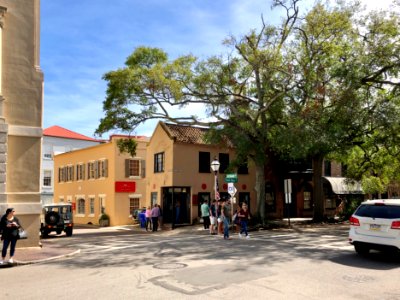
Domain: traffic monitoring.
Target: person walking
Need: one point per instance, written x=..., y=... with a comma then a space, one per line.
x=226, y=216
x=148, y=218
x=9, y=225
x=205, y=214
x=213, y=217
x=244, y=216
x=155, y=213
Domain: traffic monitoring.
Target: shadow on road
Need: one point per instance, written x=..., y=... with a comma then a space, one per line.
x=372, y=261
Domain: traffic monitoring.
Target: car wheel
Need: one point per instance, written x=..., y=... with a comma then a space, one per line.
x=361, y=249
x=52, y=218
x=68, y=231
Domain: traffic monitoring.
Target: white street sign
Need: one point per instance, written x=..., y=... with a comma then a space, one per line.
x=231, y=189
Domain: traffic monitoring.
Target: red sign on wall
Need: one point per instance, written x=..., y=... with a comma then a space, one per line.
x=125, y=186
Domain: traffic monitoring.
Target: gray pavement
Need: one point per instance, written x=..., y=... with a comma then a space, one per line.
x=48, y=251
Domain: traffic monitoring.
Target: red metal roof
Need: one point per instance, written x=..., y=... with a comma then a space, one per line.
x=57, y=131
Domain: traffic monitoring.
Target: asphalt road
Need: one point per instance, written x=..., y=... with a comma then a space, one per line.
x=313, y=263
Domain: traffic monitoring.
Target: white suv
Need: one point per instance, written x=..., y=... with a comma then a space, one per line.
x=376, y=225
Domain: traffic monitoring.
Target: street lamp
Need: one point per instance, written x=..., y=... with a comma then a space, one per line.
x=215, y=167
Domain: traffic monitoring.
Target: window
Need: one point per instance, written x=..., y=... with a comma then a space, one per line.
x=102, y=202
x=159, y=162
x=80, y=171
x=204, y=162
x=103, y=168
x=243, y=168
x=62, y=174
x=153, y=197
x=132, y=167
x=224, y=161
x=91, y=209
x=47, y=152
x=134, y=203
x=81, y=206
x=47, y=178
x=307, y=200
x=91, y=170
x=69, y=173
x=327, y=168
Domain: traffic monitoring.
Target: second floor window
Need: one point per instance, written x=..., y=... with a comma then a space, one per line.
x=80, y=172
x=132, y=167
x=204, y=162
x=224, y=161
x=91, y=170
x=159, y=162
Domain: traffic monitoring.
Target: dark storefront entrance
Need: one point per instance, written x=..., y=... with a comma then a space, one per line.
x=176, y=205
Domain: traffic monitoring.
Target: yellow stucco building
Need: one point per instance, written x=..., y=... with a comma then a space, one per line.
x=179, y=172
x=172, y=169
x=100, y=179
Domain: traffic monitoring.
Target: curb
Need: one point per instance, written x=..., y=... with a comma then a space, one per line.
x=22, y=263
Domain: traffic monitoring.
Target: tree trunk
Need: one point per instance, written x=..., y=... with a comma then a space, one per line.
x=318, y=195
x=260, y=193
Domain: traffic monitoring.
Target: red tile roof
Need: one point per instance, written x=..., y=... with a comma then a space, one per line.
x=60, y=132
x=186, y=134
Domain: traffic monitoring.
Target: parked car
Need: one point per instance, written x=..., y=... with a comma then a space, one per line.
x=376, y=225
x=56, y=217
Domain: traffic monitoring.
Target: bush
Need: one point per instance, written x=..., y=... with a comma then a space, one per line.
x=104, y=220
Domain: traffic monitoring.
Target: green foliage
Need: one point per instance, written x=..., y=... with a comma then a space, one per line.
x=373, y=185
x=324, y=84
x=128, y=146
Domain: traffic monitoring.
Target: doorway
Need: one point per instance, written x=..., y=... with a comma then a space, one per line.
x=176, y=205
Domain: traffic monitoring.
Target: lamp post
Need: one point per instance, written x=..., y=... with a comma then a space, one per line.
x=215, y=167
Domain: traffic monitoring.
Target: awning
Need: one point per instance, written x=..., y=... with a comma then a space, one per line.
x=344, y=186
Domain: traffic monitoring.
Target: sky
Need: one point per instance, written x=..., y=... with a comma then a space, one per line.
x=81, y=40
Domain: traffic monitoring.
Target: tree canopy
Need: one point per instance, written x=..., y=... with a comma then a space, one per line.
x=309, y=87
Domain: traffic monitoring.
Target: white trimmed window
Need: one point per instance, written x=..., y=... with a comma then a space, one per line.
x=47, y=178
x=91, y=170
x=81, y=206
x=134, y=203
x=80, y=171
x=91, y=203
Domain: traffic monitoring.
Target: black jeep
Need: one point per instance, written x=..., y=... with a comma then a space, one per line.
x=56, y=217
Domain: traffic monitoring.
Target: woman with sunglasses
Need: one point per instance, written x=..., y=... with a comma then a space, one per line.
x=9, y=225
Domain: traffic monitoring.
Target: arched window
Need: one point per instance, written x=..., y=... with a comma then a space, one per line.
x=81, y=206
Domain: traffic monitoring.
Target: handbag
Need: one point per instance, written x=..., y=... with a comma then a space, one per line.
x=22, y=235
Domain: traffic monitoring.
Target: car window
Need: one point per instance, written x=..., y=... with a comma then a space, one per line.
x=379, y=211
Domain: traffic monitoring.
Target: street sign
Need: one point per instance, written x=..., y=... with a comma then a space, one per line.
x=231, y=178
x=288, y=186
x=231, y=189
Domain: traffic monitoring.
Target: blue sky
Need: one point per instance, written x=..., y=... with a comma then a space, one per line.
x=83, y=39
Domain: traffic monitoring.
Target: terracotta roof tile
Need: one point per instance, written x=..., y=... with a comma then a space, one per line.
x=187, y=134
x=60, y=132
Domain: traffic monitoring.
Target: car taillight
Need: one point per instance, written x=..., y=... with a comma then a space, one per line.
x=395, y=225
x=354, y=221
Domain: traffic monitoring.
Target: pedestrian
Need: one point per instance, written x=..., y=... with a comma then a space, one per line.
x=219, y=217
x=244, y=216
x=148, y=218
x=205, y=214
x=9, y=225
x=160, y=218
x=226, y=216
x=155, y=213
x=213, y=217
